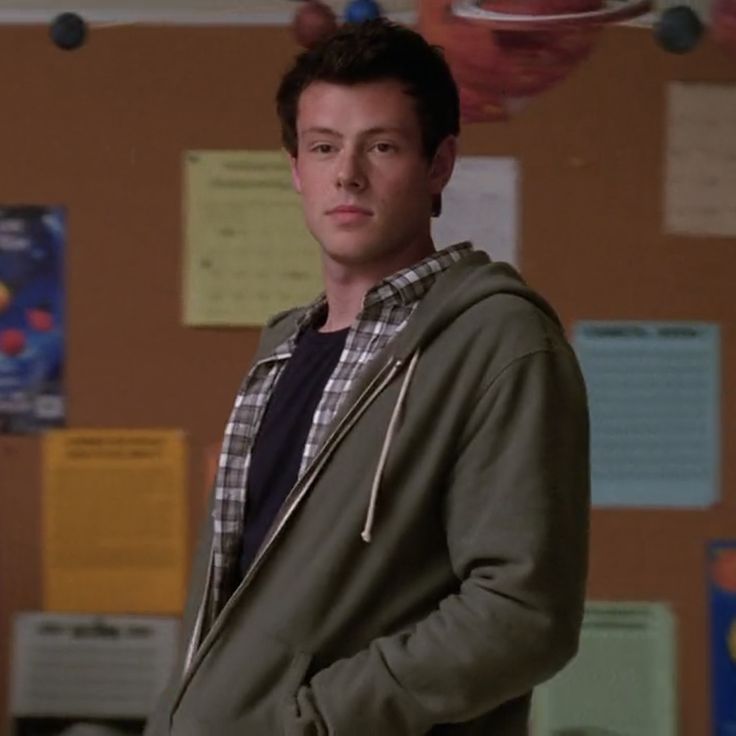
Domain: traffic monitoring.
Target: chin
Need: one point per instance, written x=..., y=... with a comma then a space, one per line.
x=354, y=251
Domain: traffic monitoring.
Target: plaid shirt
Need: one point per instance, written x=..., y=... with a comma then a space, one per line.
x=386, y=310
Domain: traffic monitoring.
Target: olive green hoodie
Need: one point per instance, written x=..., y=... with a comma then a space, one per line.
x=428, y=568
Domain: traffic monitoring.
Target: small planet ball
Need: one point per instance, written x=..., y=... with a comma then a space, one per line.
x=68, y=31
x=359, y=11
x=313, y=23
x=12, y=342
x=41, y=320
x=6, y=296
x=678, y=29
x=724, y=570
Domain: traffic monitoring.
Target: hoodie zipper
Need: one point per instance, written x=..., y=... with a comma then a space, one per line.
x=298, y=492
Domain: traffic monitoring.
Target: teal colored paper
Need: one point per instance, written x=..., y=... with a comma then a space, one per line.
x=654, y=391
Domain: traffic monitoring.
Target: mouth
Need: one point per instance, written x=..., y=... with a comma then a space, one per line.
x=349, y=214
x=349, y=209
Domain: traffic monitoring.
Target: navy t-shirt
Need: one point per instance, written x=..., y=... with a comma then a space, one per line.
x=277, y=451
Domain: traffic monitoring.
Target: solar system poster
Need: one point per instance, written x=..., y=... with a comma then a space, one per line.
x=722, y=584
x=32, y=241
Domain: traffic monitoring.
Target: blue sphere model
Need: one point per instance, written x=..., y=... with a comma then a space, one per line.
x=678, y=30
x=68, y=31
x=358, y=11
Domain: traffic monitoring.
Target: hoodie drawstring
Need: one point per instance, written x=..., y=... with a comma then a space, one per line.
x=392, y=425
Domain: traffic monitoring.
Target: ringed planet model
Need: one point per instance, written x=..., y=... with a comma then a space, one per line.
x=540, y=15
x=504, y=52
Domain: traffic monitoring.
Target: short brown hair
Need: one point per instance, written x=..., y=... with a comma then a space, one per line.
x=372, y=51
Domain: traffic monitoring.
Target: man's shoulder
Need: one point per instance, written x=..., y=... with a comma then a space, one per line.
x=503, y=313
x=286, y=317
x=505, y=327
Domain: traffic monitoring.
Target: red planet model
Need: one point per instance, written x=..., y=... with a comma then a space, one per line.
x=313, y=22
x=12, y=342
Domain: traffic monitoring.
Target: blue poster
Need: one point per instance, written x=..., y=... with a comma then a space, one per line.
x=722, y=585
x=31, y=318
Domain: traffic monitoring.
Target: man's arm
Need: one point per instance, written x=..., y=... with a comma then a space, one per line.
x=517, y=528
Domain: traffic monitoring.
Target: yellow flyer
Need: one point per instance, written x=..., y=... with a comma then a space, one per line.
x=248, y=253
x=114, y=521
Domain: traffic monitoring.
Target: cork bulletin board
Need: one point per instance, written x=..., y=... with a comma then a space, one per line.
x=102, y=131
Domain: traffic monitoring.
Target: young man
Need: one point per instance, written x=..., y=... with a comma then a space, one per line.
x=400, y=514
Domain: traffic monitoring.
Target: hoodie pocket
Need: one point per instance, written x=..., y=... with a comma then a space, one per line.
x=297, y=673
x=265, y=714
x=295, y=722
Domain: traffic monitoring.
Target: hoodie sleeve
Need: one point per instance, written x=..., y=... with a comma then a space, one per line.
x=517, y=510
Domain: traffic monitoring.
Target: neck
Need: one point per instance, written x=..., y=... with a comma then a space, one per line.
x=347, y=284
x=344, y=303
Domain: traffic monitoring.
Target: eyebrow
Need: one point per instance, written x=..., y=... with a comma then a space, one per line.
x=377, y=130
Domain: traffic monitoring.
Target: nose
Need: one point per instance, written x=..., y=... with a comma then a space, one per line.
x=350, y=174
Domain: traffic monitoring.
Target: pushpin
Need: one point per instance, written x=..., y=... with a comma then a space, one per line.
x=68, y=31
x=359, y=11
x=678, y=29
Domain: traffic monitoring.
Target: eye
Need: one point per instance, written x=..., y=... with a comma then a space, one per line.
x=322, y=148
x=384, y=147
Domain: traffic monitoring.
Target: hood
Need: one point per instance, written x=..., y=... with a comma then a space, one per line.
x=473, y=279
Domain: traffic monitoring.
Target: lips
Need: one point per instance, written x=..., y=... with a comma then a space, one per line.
x=349, y=214
x=349, y=209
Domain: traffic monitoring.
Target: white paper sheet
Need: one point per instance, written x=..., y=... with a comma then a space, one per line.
x=654, y=392
x=481, y=203
x=89, y=666
x=700, y=191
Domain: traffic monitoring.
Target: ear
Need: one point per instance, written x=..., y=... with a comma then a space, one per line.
x=295, y=178
x=442, y=165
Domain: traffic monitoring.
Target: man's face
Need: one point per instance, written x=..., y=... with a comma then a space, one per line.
x=366, y=185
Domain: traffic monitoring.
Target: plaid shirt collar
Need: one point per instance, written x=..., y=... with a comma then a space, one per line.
x=405, y=287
